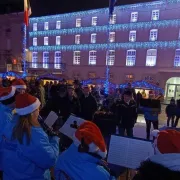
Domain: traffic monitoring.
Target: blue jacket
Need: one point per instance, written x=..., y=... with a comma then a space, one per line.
x=80, y=166
x=28, y=162
x=150, y=114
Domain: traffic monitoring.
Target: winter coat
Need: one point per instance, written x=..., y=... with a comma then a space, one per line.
x=80, y=166
x=88, y=107
x=150, y=114
x=178, y=111
x=126, y=114
x=27, y=162
x=171, y=110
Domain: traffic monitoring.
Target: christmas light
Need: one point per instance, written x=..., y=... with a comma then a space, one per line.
x=143, y=85
x=115, y=27
x=147, y=5
x=24, y=51
x=112, y=46
x=9, y=73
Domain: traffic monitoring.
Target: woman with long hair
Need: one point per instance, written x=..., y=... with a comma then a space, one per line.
x=27, y=150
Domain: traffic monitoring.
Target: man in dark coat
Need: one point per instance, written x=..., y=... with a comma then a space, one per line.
x=88, y=105
x=126, y=114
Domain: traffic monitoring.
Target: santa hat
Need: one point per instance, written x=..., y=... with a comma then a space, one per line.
x=26, y=104
x=92, y=136
x=167, y=141
x=19, y=84
x=7, y=93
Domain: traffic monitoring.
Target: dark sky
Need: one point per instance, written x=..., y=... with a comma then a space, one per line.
x=47, y=7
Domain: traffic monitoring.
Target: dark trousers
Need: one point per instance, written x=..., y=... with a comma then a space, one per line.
x=1, y=175
x=148, y=127
x=176, y=122
x=129, y=131
x=170, y=118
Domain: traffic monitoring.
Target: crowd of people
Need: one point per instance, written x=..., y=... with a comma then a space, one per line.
x=28, y=152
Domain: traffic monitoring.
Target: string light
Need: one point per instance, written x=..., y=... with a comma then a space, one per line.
x=24, y=51
x=148, y=5
x=115, y=27
x=9, y=73
x=112, y=46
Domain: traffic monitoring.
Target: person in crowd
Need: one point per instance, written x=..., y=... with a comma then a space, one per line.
x=151, y=116
x=54, y=89
x=83, y=159
x=171, y=112
x=47, y=90
x=138, y=98
x=177, y=113
x=7, y=103
x=78, y=89
x=27, y=150
x=40, y=92
x=160, y=97
x=88, y=104
x=20, y=85
x=165, y=164
x=130, y=88
x=143, y=93
x=74, y=105
x=126, y=114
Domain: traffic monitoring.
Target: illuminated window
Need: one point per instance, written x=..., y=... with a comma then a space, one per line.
x=78, y=22
x=134, y=16
x=45, y=59
x=34, y=41
x=131, y=57
x=34, y=59
x=155, y=15
x=46, y=41
x=58, y=24
x=153, y=35
x=112, y=37
x=34, y=26
x=77, y=58
x=58, y=40
x=113, y=19
x=57, y=60
x=110, y=57
x=177, y=58
x=46, y=26
x=94, y=21
x=132, y=36
x=151, y=57
x=93, y=38
x=77, y=39
x=92, y=57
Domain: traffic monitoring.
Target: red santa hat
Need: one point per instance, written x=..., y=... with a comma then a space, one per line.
x=26, y=104
x=92, y=137
x=7, y=93
x=167, y=141
x=19, y=84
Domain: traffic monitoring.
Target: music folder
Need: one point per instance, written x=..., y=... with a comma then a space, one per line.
x=129, y=152
x=51, y=119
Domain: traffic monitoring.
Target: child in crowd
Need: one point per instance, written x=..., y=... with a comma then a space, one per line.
x=171, y=112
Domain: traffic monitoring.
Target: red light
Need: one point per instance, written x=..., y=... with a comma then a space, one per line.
x=14, y=61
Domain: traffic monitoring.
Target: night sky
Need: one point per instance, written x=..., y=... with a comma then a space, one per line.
x=48, y=7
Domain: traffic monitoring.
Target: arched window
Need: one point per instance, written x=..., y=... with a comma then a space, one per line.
x=131, y=57
x=177, y=58
x=151, y=57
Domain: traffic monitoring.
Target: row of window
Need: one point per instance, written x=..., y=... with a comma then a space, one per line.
x=112, y=37
x=94, y=21
x=151, y=58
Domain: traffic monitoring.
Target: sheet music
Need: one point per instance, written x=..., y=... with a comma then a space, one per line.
x=67, y=127
x=51, y=119
x=129, y=152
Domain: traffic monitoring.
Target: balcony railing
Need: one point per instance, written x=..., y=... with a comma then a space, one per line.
x=58, y=66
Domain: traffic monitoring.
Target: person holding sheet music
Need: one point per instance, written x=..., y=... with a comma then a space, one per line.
x=126, y=114
x=27, y=150
x=165, y=164
x=83, y=159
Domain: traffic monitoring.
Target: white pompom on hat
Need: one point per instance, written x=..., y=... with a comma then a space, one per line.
x=92, y=136
x=19, y=84
x=7, y=93
x=26, y=104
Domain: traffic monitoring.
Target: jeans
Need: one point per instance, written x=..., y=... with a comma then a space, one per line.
x=148, y=127
x=171, y=118
x=176, y=122
x=129, y=131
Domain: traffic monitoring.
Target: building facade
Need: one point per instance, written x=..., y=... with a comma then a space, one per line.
x=140, y=43
x=11, y=36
